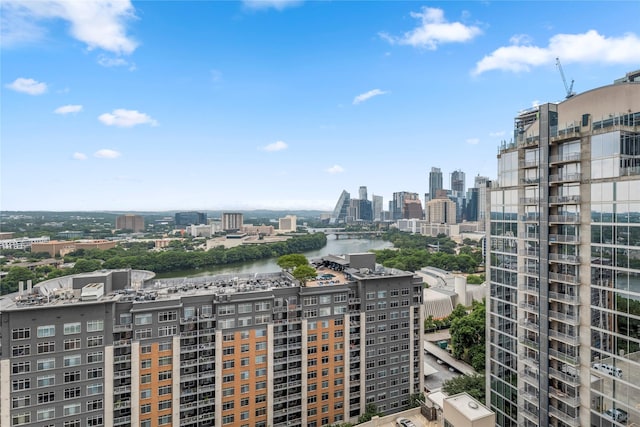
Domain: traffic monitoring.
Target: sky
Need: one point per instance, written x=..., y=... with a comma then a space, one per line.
x=206, y=105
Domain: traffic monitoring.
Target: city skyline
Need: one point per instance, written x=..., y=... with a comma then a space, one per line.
x=278, y=104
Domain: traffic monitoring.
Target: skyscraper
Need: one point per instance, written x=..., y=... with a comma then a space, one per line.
x=481, y=183
x=184, y=219
x=341, y=210
x=435, y=182
x=377, y=204
x=362, y=193
x=131, y=222
x=458, y=181
x=564, y=243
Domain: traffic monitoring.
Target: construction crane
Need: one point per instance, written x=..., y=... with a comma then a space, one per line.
x=568, y=88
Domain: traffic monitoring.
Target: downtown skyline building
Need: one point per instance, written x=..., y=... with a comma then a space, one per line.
x=435, y=182
x=119, y=348
x=563, y=325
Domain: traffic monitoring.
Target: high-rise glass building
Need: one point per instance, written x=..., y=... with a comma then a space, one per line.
x=435, y=182
x=377, y=206
x=564, y=264
x=458, y=181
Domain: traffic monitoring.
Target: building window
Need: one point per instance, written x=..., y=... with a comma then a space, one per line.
x=47, y=414
x=146, y=408
x=20, y=401
x=72, y=328
x=46, y=380
x=94, y=357
x=46, y=397
x=46, y=347
x=71, y=393
x=167, y=316
x=94, y=373
x=94, y=405
x=71, y=409
x=21, y=350
x=95, y=325
x=167, y=331
x=165, y=346
x=73, y=360
x=21, y=333
x=143, y=319
x=70, y=377
x=164, y=419
x=96, y=388
x=21, y=419
x=24, y=367
x=71, y=344
x=46, y=331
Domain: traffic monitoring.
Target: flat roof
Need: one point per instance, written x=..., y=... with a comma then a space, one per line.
x=468, y=406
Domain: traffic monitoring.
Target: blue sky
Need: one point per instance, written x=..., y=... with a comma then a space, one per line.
x=154, y=105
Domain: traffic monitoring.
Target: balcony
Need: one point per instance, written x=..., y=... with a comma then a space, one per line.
x=529, y=324
x=530, y=414
x=559, y=336
x=564, y=259
x=572, y=420
x=572, y=319
x=531, y=217
x=568, y=177
x=567, y=358
x=122, y=420
x=563, y=238
x=567, y=298
x=573, y=379
x=564, y=200
x=529, y=306
x=524, y=287
x=529, y=181
x=564, y=219
x=530, y=270
x=526, y=164
x=122, y=328
x=564, y=397
x=529, y=394
x=528, y=342
x=564, y=158
x=529, y=200
x=565, y=278
x=532, y=236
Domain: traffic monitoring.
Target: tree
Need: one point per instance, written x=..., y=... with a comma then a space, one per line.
x=304, y=273
x=468, y=336
x=416, y=399
x=291, y=261
x=14, y=276
x=86, y=265
x=371, y=410
x=472, y=384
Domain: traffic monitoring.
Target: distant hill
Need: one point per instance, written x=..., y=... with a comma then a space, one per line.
x=258, y=213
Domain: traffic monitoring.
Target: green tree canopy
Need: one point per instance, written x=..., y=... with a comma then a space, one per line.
x=304, y=273
x=15, y=275
x=472, y=384
x=468, y=336
x=291, y=261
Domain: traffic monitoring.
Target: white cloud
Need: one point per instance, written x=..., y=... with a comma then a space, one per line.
x=110, y=61
x=497, y=134
x=97, y=23
x=535, y=103
x=270, y=4
x=434, y=30
x=473, y=141
x=126, y=118
x=367, y=95
x=335, y=169
x=30, y=86
x=589, y=47
x=67, y=109
x=106, y=153
x=79, y=156
x=276, y=146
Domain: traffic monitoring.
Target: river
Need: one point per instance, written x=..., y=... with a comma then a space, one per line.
x=333, y=246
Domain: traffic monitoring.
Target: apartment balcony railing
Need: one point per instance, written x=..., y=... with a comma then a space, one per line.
x=529, y=394
x=122, y=328
x=529, y=358
x=564, y=397
x=532, y=253
x=567, y=358
x=529, y=181
x=534, y=271
x=122, y=420
x=568, y=177
x=559, y=336
x=529, y=324
x=532, y=236
x=122, y=343
x=529, y=306
x=564, y=317
x=566, y=378
x=525, y=287
x=122, y=374
x=570, y=299
x=532, y=415
x=572, y=420
x=633, y=170
x=566, y=278
x=532, y=217
x=529, y=342
x=565, y=158
x=526, y=164
x=564, y=219
x=529, y=200
x=564, y=259
x=562, y=200
x=568, y=133
x=563, y=238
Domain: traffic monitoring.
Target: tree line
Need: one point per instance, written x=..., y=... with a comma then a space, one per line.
x=138, y=256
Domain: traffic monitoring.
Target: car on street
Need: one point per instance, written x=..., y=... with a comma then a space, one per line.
x=404, y=422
